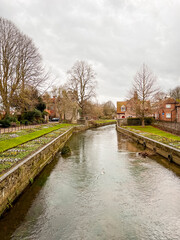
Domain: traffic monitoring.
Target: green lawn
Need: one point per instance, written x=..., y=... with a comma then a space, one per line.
x=105, y=121
x=155, y=131
x=156, y=134
x=13, y=142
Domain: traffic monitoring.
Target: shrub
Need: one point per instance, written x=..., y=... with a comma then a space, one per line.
x=6, y=122
x=32, y=115
x=138, y=121
x=15, y=124
x=148, y=120
x=134, y=121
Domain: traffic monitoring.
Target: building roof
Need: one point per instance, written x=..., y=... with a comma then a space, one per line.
x=169, y=100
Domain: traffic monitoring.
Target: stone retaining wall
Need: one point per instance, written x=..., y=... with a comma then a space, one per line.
x=17, y=178
x=172, y=127
x=172, y=154
x=14, y=182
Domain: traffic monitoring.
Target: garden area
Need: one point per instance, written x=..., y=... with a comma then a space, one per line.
x=156, y=134
x=18, y=145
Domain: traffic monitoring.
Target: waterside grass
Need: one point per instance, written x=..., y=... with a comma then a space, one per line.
x=105, y=121
x=156, y=134
x=13, y=142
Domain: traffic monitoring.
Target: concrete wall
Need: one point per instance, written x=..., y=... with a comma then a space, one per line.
x=173, y=127
x=172, y=154
x=17, y=179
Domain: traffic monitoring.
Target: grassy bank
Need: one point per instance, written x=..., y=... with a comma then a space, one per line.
x=36, y=140
x=105, y=121
x=156, y=134
x=13, y=142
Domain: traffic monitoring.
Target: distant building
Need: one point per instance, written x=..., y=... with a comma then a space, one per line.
x=51, y=107
x=168, y=110
x=131, y=108
x=65, y=107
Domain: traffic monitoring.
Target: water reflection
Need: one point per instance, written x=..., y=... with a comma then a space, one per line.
x=104, y=190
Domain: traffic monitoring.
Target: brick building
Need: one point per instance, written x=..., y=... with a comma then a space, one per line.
x=168, y=110
x=132, y=108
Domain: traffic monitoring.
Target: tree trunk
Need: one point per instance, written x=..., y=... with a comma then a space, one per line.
x=143, y=124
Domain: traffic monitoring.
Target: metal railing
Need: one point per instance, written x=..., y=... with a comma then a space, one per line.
x=18, y=128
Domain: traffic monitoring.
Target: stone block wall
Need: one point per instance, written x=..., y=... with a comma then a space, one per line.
x=13, y=183
x=159, y=148
x=173, y=127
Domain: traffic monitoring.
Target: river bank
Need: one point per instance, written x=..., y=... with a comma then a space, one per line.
x=172, y=154
x=104, y=190
x=20, y=175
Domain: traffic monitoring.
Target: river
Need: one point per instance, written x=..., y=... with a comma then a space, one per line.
x=103, y=191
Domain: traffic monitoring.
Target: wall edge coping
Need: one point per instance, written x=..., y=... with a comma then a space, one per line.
x=165, y=145
x=13, y=169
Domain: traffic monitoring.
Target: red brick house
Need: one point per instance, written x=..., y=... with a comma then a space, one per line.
x=51, y=107
x=168, y=110
x=121, y=109
x=178, y=113
x=132, y=108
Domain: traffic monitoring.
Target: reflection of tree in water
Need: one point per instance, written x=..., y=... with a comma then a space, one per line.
x=14, y=218
x=82, y=171
x=125, y=143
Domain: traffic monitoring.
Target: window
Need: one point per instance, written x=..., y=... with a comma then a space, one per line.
x=168, y=105
x=123, y=109
x=168, y=115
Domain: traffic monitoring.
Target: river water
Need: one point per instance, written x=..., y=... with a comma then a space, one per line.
x=103, y=191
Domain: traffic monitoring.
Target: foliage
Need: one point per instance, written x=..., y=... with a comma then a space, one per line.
x=41, y=106
x=138, y=121
x=109, y=110
x=66, y=151
x=31, y=115
x=6, y=122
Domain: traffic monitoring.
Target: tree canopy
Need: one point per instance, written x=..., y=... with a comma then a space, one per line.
x=20, y=64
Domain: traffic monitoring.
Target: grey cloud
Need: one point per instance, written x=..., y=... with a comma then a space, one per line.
x=116, y=36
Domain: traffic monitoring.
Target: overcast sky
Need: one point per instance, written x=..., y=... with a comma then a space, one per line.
x=115, y=36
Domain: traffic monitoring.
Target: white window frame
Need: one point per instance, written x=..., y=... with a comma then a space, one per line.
x=168, y=105
x=168, y=115
x=123, y=108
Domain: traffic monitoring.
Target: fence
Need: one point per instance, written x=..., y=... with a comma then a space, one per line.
x=18, y=128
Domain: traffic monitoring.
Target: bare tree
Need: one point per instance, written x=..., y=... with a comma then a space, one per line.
x=82, y=83
x=145, y=86
x=20, y=64
x=66, y=104
x=175, y=93
x=109, y=109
